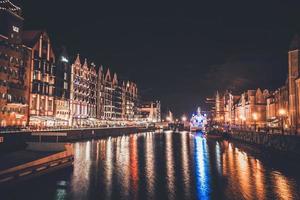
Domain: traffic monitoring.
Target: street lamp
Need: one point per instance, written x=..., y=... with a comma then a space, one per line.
x=282, y=113
x=183, y=118
x=255, y=117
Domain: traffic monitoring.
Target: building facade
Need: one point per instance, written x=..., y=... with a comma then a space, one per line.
x=62, y=88
x=151, y=111
x=42, y=78
x=83, y=93
x=14, y=72
x=248, y=109
x=100, y=94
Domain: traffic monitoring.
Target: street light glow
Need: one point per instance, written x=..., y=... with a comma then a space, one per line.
x=282, y=112
x=255, y=116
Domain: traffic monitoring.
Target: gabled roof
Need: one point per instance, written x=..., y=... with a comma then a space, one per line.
x=115, y=79
x=85, y=65
x=108, y=76
x=77, y=60
x=30, y=37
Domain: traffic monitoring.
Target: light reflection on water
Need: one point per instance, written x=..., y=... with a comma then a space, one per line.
x=164, y=166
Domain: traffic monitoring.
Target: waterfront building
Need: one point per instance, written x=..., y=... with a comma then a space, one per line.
x=251, y=108
x=62, y=74
x=14, y=71
x=100, y=94
x=62, y=112
x=116, y=99
x=151, y=111
x=131, y=106
x=42, y=78
x=277, y=100
x=219, y=108
x=83, y=93
x=248, y=109
x=294, y=84
x=108, y=96
x=62, y=88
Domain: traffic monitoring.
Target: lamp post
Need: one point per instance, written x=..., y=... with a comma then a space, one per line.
x=255, y=117
x=282, y=113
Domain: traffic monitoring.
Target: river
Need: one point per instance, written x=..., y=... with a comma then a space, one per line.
x=166, y=165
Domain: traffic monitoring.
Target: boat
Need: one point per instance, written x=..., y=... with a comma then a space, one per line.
x=198, y=121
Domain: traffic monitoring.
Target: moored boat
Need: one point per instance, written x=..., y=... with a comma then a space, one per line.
x=198, y=121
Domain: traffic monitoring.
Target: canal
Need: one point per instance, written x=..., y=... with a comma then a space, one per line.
x=166, y=165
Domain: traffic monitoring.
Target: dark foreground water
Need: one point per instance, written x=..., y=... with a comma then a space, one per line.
x=166, y=166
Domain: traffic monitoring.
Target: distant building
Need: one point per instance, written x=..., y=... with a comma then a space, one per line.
x=130, y=101
x=247, y=109
x=151, y=111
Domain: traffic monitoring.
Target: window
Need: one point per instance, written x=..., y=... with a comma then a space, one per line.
x=36, y=65
x=50, y=105
x=36, y=54
x=33, y=103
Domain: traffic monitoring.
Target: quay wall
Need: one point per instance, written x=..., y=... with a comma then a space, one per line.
x=16, y=141
x=284, y=143
x=86, y=133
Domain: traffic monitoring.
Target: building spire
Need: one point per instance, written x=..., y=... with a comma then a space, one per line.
x=77, y=61
x=107, y=76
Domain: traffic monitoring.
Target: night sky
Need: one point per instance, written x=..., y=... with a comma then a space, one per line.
x=178, y=53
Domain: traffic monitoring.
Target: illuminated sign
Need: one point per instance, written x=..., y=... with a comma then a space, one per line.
x=16, y=29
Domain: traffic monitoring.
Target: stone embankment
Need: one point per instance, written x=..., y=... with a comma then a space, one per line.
x=284, y=143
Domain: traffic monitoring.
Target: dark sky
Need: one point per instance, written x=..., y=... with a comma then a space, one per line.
x=178, y=53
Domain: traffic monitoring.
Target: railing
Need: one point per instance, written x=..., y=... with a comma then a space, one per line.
x=66, y=129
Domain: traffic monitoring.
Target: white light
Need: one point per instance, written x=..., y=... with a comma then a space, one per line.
x=64, y=59
x=16, y=29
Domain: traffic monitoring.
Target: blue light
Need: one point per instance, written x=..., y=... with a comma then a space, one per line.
x=202, y=173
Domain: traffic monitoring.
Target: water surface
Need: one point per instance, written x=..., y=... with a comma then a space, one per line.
x=166, y=165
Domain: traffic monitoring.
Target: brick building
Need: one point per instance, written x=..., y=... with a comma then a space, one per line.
x=14, y=72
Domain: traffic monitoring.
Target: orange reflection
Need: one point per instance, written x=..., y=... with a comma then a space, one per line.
x=283, y=188
x=150, y=160
x=134, y=165
x=170, y=165
x=237, y=168
x=185, y=164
